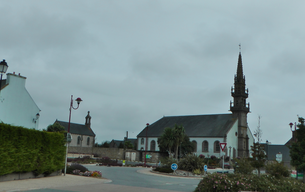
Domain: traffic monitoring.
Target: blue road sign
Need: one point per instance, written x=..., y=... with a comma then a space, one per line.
x=205, y=167
x=174, y=166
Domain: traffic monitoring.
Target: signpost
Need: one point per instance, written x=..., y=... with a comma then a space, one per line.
x=174, y=167
x=205, y=167
x=223, y=146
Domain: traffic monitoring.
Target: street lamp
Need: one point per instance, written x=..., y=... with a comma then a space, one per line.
x=147, y=124
x=295, y=140
x=3, y=69
x=78, y=100
x=293, y=132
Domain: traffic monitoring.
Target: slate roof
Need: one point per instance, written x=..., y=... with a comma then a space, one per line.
x=272, y=150
x=216, y=125
x=75, y=128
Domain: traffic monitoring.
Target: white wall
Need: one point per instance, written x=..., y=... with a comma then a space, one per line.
x=148, y=144
x=211, y=141
x=232, y=139
x=83, y=142
x=16, y=105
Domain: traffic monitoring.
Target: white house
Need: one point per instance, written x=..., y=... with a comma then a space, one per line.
x=17, y=107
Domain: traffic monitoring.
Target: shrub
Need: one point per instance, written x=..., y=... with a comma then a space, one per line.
x=96, y=174
x=73, y=167
x=201, y=156
x=191, y=162
x=164, y=169
x=243, y=166
x=108, y=162
x=197, y=171
x=277, y=170
x=240, y=182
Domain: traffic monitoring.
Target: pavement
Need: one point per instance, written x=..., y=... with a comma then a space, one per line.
x=70, y=183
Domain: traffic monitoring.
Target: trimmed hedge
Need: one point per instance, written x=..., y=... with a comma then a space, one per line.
x=28, y=150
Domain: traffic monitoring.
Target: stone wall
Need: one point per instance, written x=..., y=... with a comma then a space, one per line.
x=112, y=153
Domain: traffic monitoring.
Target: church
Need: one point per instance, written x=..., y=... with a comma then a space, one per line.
x=208, y=131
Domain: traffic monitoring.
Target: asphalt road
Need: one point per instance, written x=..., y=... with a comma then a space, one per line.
x=127, y=179
x=132, y=176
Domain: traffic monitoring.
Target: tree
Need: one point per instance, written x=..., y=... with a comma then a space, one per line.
x=166, y=141
x=128, y=145
x=297, y=149
x=56, y=127
x=105, y=144
x=258, y=156
x=179, y=135
x=187, y=146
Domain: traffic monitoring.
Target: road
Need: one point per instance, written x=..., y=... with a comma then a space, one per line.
x=127, y=179
x=132, y=176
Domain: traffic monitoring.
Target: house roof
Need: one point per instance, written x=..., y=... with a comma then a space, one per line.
x=77, y=128
x=215, y=125
x=272, y=150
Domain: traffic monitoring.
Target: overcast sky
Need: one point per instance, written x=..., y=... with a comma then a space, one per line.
x=135, y=61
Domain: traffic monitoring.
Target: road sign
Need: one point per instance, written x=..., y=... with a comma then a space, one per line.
x=174, y=166
x=148, y=156
x=279, y=157
x=223, y=146
x=205, y=167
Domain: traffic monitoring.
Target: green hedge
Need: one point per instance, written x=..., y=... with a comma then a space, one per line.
x=27, y=150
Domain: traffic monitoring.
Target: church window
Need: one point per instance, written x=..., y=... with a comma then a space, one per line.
x=79, y=140
x=216, y=147
x=195, y=145
x=153, y=145
x=142, y=141
x=205, y=146
x=88, y=141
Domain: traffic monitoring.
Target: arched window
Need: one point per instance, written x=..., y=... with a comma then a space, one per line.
x=79, y=140
x=216, y=147
x=205, y=146
x=195, y=145
x=142, y=141
x=153, y=145
x=88, y=141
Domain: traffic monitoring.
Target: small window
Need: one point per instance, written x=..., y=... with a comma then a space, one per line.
x=142, y=149
x=205, y=146
x=142, y=141
x=88, y=141
x=195, y=145
x=216, y=147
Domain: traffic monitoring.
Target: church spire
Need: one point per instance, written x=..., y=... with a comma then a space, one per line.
x=240, y=108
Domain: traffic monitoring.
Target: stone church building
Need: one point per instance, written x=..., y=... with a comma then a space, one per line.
x=207, y=131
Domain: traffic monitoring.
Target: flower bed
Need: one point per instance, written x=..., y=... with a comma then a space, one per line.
x=87, y=173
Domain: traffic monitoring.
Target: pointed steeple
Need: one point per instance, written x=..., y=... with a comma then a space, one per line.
x=88, y=120
x=240, y=108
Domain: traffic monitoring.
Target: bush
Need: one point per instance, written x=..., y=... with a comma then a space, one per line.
x=240, y=182
x=28, y=150
x=164, y=169
x=191, y=162
x=243, y=166
x=73, y=167
x=108, y=162
x=277, y=170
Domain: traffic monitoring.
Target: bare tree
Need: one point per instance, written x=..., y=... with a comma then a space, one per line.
x=258, y=132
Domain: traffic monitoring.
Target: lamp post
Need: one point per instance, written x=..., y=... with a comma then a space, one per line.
x=295, y=140
x=3, y=69
x=78, y=100
x=146, y=143
x=293, y=132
